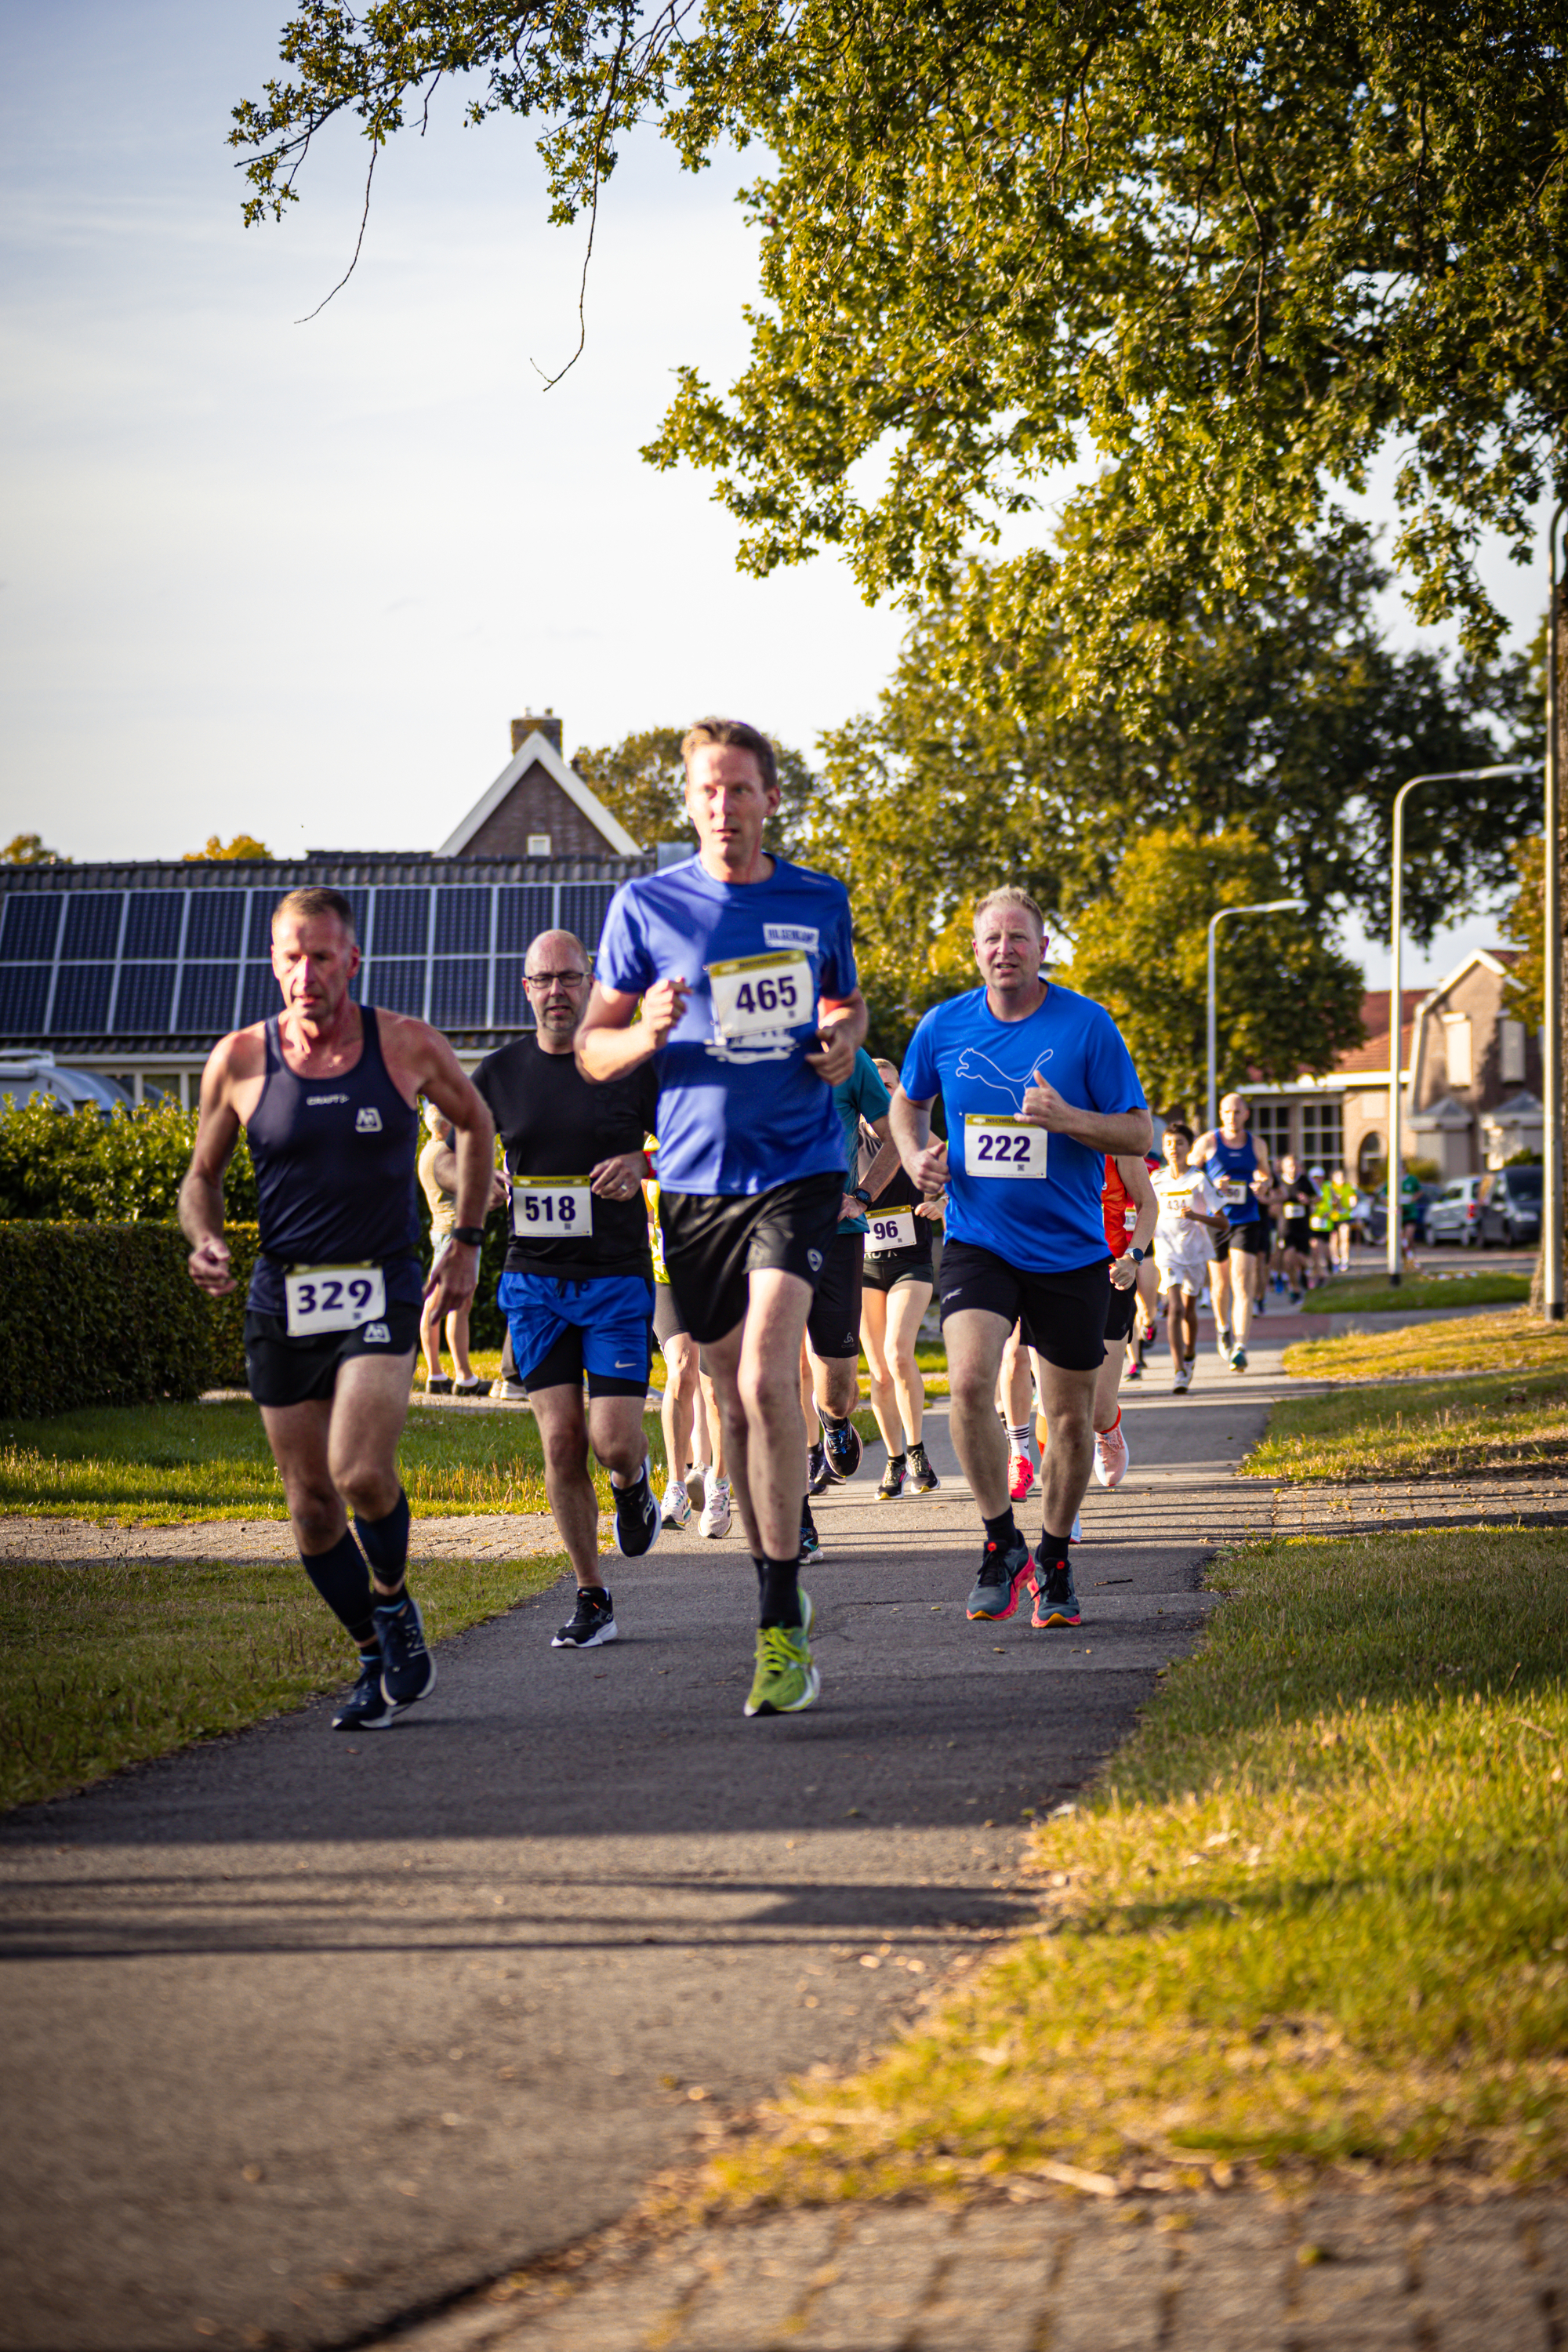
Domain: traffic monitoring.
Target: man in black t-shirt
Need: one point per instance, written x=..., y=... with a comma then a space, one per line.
x=577, y=1291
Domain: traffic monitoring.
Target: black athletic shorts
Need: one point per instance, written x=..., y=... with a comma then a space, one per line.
x=281, y=1370
x=1252, y=1238
x=713, y=1243
x=667, y=1322
x=833, y=1325
x=1063, y=1315
x=1119, y=1315
x=1298, y=1235
x=887, y=1270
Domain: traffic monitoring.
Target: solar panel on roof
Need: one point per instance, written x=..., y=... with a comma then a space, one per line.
x=457, y=993
x=260, y=997
x=400, y=986
x=462, y=920
x=206, y=996
x=259, y=931
x=23, y=994
x=217, y=921
x=32, y=925
x=584, y=906
x=81, y=999
x=142, y=999
x=522, y=911
x=152, y=924
x=402, y=923
x=92, y=924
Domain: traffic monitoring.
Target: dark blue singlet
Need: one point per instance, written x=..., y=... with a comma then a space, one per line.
x=1234, y=1163
x=334, y=1163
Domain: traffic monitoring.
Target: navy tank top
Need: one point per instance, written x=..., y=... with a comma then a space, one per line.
x=1233, y=1164
x=334, y=1163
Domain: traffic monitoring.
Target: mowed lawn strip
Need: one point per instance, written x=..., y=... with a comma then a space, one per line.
x=1498, y=1402
x=164, y=1465
x=107, y=1663
x=1316, y=1912
x=1369, y=1294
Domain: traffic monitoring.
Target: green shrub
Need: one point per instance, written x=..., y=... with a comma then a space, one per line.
x=69, y=1164
x=107, y=1314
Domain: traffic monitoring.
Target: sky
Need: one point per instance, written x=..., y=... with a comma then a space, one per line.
x=295, y=580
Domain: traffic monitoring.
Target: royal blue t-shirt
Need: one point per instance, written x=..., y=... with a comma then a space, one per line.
x=751, y=1114
x=861, y=1096
x=978, y=1065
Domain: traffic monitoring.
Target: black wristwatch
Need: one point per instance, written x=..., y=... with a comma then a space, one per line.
x=858, y=1193
x=1136, y=1255
x=473, y=1235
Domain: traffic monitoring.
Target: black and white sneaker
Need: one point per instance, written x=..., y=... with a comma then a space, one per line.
x=637, y=1516
x=407, y=1669
x=818, y=1476
x=922, y=1477
x=841, y=1446
x=367, y=1707
x=810, y=1542
x=594, y=1623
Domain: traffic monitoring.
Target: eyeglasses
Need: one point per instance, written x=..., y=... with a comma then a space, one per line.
x=552, y=979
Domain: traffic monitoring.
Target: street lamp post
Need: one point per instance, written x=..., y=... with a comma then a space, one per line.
x=1265, y=907
x=1396, y=976
x=1552, y=1008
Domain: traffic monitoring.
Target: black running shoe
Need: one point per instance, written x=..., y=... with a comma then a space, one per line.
x=407, y=1669
x=366, y=1707
x=818, y=1476
x=637, y=1521
x=894, y=1479
x=922, y=1477
x=841, y=1445
x=810, y=1542
x=1001, y=1579
x=594, y=1623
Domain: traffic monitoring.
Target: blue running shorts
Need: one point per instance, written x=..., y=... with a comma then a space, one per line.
x=562, y=1329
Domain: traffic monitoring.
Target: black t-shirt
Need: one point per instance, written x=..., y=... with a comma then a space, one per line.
x=555, y=1122
x=1298, y=1198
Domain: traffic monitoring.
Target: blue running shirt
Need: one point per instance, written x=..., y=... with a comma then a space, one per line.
x=1230, y=1169
x=746, y=1114
x=981, y=1067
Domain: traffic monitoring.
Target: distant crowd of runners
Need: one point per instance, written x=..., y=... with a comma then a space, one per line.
x=698, y=1154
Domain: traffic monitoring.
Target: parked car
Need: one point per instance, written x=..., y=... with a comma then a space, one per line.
x=1453, y=1213
x=23, y=1076
x=1511, y=1206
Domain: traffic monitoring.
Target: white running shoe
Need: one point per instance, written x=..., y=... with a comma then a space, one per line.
x=715, y=1519
x=1111, y=1454
x=1183, y=1381
x=1224, y=1342
x=676, y=1508
x=1077, y=1535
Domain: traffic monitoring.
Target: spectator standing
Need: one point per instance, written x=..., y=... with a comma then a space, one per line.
x=443, y=1205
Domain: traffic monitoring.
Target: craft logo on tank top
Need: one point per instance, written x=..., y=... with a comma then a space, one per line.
x=367, y=1121
x=315, y=1102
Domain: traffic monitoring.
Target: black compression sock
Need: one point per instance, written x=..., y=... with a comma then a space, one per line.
x=780, y=1580
x=386, y=1545
x=1054, y=1547
x=341, y=1579
x=1002, y=1529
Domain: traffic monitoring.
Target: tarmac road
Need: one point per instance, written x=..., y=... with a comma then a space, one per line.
x=307, y=2034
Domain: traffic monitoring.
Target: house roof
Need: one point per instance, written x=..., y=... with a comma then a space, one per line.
x=538, y=749
x=1369, y=1058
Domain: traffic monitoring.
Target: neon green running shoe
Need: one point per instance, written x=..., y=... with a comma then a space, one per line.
x=785, y=1680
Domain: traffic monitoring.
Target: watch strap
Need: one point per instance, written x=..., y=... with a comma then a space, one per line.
x=473, y=1235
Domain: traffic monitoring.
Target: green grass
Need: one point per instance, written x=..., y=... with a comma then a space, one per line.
x=1517, y=1341
x=107, y=1663
x=165, y=1464
x=1369, y=1294
x=1315, y=1914
x=1443, y=1429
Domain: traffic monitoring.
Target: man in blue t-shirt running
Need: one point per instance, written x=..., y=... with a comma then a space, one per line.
x=752, y=1015
x=1037, y=1088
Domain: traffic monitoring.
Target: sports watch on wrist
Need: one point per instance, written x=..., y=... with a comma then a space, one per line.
x=858, y=1193
x=1137, y=1256
x=473, y=1235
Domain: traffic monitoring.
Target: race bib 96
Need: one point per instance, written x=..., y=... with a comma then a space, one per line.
x=893, y=1229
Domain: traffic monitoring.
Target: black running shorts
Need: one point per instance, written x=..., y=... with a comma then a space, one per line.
x=667, y=1322
x=1252, y=1238
x=281, y=1370
x=714, y=1241
x=886, y=1272
x=1120, y=1312
x=833, y=1325
x=1063, y=1315
x=1298, y=1235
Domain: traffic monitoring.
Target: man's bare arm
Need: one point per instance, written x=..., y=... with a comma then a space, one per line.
x=201, y=1189
x=610, y=1045
x=1118, y=1132
x=1134, y=1173
x=909, y=1125
x=842, y=1023
x=879, y=1174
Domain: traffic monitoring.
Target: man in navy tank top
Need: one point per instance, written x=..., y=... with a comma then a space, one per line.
x=326, y=1093
x=751, y=1015
x=1238, y=1168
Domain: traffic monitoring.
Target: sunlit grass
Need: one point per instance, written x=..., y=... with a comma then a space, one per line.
x=106, y=1663
x=164, y=1464
x=1317, y=1912
x=1470, y=1343
x=1364, y=1293
x=1505, y=1422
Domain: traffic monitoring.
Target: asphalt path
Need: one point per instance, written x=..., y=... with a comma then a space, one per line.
x=306, y=2034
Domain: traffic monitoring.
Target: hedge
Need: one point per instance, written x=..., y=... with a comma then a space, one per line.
x=60, y=1163
x=107, y=1314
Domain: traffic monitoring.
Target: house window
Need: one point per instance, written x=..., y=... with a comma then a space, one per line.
x=1369, y=1159
x=1512, y=1051
x=1456, y=1040
x=539, y=844
x=1272, y=1126
x=1322, y=1135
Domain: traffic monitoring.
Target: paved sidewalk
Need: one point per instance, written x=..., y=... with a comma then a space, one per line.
x=1331, y=2273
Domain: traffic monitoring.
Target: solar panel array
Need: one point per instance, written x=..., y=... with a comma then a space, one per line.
x=170, y=962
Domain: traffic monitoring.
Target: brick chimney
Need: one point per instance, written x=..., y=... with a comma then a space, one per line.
x=544, y=722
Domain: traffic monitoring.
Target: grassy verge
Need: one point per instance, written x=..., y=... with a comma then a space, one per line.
x=1496, y=1422
x=1317, y=1913
x=1474, y=1343
x=108, y=1663
x=164, y=1464
x=1369, y=1294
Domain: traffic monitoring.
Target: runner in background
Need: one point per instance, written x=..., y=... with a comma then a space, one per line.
x=1190, y=1220
x=461, y=1380
x=896, y=1291
x=689, y=1416
x=1015, y=1388
x=1342, y=1209
x=1236, y=1165
x=1294, y=1196
x=1131, y=1212
x=1320, y=1228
